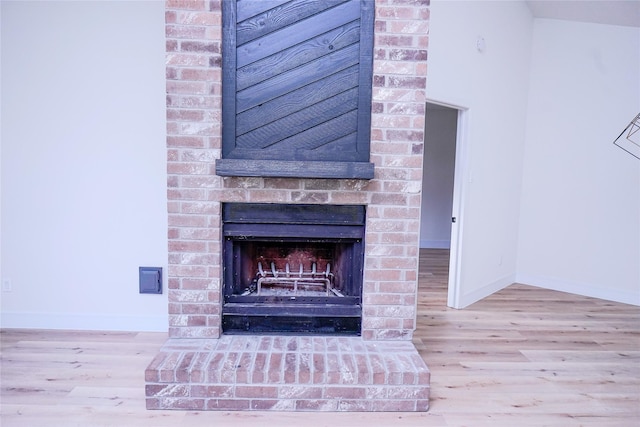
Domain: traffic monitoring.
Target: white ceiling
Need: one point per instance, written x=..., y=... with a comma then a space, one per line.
x=611, y=12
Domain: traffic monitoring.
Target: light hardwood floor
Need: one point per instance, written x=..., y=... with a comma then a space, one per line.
x=522, y=357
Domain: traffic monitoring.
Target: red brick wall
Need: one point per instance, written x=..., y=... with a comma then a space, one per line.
x=195, y=192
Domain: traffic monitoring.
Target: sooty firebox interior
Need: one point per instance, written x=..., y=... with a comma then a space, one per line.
x=292, y=268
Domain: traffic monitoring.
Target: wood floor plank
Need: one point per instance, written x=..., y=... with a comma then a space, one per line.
x=582, y=356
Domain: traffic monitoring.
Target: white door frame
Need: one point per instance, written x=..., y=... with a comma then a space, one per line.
x=457, y=209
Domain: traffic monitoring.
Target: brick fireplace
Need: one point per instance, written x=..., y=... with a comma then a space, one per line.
x=377, y=369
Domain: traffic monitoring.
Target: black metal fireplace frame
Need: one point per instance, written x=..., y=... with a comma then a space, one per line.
x=339, y=225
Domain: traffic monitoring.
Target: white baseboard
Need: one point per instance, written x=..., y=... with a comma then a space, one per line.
x=577, y=288
x=435, y=244
x=491, y=288
x=88, y=322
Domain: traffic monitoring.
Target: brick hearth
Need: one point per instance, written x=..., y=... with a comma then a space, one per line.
x=288, y=373
x=380, y=369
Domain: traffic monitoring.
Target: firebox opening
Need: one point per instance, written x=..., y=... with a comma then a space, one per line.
x=292, y=269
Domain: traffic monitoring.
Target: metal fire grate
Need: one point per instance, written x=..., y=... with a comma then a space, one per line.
x=293, y=282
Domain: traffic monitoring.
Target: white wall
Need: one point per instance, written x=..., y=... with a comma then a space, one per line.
x=437, y=176
x=83, y=163
x=492, y=86
x=580, y=220
x=82, y=152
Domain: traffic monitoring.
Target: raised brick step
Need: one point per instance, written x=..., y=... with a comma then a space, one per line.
x=288, y=373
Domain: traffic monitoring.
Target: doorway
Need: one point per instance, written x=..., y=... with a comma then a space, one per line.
x=442, y=188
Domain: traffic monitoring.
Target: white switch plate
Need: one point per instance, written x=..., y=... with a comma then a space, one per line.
x=6, y=285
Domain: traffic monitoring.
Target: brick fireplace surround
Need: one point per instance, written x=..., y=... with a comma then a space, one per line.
x=199, y=368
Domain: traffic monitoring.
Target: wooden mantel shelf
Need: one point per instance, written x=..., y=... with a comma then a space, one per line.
x=294, y=169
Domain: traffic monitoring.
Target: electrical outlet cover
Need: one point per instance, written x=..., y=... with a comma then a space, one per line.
x=150, y=280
